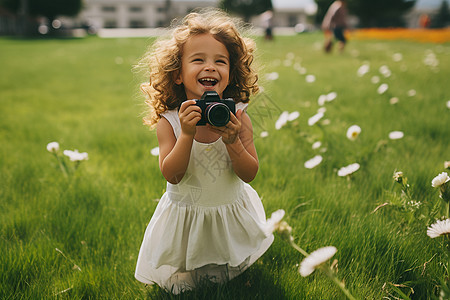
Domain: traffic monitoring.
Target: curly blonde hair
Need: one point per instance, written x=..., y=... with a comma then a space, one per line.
x=163, y=62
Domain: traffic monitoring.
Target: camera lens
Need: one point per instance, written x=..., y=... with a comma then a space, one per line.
x=218, y=114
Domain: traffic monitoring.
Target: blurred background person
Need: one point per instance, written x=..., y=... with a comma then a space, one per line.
x=267, y=20
x=334, y=23
x=424, y=21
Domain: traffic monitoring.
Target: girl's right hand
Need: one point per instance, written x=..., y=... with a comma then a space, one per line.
x=189, y=115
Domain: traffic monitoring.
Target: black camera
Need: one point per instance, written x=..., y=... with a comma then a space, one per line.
x=215, y=111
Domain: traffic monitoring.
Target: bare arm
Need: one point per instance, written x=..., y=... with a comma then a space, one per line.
x=174, y=153
x=238, y=138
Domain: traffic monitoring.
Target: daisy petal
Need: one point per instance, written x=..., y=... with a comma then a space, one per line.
x=315, y=259
x=439, y=228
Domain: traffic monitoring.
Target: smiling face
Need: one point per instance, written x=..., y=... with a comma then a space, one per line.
x=205, y=66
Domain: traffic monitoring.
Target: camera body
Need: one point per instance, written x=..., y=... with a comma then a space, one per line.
x=215, y=111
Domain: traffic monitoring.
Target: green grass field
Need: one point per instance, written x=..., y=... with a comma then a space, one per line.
x=79, y=237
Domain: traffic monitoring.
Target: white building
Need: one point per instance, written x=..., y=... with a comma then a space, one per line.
x=151, y=15
x=156, y=13
x=137, y=13
x=288, y=13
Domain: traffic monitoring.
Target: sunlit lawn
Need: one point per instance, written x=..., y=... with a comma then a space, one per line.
x=79, y=237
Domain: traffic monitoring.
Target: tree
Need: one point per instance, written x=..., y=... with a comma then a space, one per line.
x=246, y=8
x=372, y=13
x=11, y=5
x=380, y=13
x=322, y=7
x=47, y=8
x=442, y=18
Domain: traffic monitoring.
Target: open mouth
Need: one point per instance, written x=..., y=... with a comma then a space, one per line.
x=208, y=81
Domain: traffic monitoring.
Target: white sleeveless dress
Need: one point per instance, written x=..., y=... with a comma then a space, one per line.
x=208, y=226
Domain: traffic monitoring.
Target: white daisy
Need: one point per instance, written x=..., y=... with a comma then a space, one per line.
x=412, y=93
x=315, y=259
x=393, y=100
x=322, y=99
x=353, y=132
x=396, y=135
x=375, y=79
x=75, y=155
x=282, y=120
x=383, y=88
x=310, y=78
x=348, y=170
x=397, y=57
x=316, y=145
x=314, y=119
x=326, y=122
x=384, y=70
x=331, y=96
x=322, y=110
x=297, y=66
x=53, y=147
x=447, y=164
x=264, y=134
x=363, y=70
x=290, y=56
x=440, y=179
x=272, y=76
x=155, y=151
x=313, y=162
x=287, y=62
x=398, y=176
x=293, y=115
x=439, y=228
x=431, y=59
x=273, y=222
x=448, y=104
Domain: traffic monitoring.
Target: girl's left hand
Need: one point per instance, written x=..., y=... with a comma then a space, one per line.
x=229, y=132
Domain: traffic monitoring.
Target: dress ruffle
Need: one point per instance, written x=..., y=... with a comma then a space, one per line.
x=183, y=242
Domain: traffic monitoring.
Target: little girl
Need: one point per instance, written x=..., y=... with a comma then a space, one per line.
x=210, y=224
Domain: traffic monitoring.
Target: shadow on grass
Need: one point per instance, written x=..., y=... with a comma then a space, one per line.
x=252, y=284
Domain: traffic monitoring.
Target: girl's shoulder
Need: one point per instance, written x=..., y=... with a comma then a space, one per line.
x=241, y=105
x=169, y=113
x=174, y=120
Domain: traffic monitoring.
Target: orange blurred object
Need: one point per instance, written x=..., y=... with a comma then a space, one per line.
x=420, y=35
